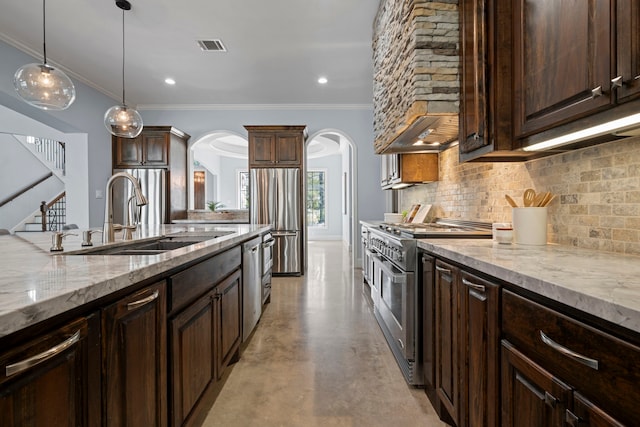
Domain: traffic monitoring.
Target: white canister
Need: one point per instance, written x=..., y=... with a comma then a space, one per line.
x=499, y=225
x=530, y=225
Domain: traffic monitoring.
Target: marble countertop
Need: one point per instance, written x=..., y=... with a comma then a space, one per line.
x=37, y=284
x=604, y=284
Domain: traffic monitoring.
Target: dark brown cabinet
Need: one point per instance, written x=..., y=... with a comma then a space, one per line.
x=562, y=61
x=627, y=77
x=205, y=333
x=158, y=147
x=134, y=359
x=54, y=379
x=485, y=91
x=402, y=170
x=480, y=340
x=532, y=397
x=448, y=372
x=276, y=146
x=600, y=371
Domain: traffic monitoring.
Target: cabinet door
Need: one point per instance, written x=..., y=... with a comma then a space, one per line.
x=480, y=330
x=586, y=414
x=531, y=396
x=128, y=152
x=193, y=356
x=53, y=380
x=229, y=295
x=628, y=48
x=448, y=381
x=155, y=149
x=563, y=57
x=134, y=358
x=288, y=149
x=261, y=149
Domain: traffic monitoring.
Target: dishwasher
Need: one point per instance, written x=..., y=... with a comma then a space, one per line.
x=251, y=286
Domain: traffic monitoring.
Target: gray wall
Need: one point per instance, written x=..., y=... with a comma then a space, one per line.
x=84, y=116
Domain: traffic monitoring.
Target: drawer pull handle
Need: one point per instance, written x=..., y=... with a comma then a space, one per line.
x=587, y=361
x=597, y=92
x=443, y=270
x=41, y=357
x=571, y=418
x=143, y=301
x=479, y=288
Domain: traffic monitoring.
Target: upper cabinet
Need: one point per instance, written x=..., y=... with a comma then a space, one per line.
x=155, y=147
x=276, y=146
x=562, y=62
x=402, y=170
x=537, y=70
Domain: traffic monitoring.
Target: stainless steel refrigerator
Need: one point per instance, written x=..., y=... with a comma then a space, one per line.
x=276, y=200
x=153, y=183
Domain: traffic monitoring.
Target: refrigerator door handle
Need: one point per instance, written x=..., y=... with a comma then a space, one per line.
x=284, y=234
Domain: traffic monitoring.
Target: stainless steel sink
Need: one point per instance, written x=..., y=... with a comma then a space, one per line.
x=154, y=247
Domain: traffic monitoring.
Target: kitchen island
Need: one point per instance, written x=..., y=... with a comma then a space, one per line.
x=91, y=339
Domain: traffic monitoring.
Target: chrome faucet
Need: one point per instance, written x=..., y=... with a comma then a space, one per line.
x=108, y=234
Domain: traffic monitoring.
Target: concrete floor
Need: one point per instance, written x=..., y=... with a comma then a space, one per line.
x=318, y=358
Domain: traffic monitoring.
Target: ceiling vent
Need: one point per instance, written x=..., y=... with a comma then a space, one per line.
x=214, y=45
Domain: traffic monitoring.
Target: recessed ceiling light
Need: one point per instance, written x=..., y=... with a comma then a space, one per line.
x=323, y=80
x=169, y=81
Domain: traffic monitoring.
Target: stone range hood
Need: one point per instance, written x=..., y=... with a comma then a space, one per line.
x=416, y=75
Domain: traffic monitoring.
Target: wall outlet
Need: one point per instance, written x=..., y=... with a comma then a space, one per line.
x=99, y=194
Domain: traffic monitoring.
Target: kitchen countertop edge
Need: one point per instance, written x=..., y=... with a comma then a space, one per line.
x=45, y=285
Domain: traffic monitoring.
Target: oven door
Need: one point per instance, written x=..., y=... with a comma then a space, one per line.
x=396, y=304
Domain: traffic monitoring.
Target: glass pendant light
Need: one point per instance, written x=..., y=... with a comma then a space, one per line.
x=41, y=85
x=121, y=120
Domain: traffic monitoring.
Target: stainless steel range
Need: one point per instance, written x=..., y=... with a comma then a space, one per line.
x=390, y=268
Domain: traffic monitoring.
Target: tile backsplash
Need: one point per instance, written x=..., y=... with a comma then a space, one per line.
x=597, y=189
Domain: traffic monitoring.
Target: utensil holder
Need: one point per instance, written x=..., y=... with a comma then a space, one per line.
x=530, y=225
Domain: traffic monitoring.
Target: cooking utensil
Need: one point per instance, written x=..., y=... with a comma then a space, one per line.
x=528, y=197
x=548, y=199
x=511, y=201
x=537, y=201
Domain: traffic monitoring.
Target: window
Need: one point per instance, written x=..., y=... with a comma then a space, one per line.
x=243, y=190
x=316, y=208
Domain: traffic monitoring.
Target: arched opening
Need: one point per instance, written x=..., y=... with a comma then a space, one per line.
x=331, y=186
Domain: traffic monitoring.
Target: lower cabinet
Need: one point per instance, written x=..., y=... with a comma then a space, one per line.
x=53, y=379
x=134, y=359
x=204, y=335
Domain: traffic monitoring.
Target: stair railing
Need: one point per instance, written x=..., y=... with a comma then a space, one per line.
x=25, y=189
x=54, y=214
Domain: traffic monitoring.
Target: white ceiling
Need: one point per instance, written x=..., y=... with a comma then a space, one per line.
x=277, y=49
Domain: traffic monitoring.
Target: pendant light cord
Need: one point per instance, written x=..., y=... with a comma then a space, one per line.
x=44, y=32
x=123, y=98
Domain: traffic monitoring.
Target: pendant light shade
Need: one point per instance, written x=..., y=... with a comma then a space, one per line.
x=43, y=86
x=121, y=120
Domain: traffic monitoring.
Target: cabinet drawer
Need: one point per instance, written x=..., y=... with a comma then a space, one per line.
x=604, y=368
x=189, y=284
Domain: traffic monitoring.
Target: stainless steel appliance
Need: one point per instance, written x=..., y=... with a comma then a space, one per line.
x=251, y=286
x=395, y=290
x=267, y=263
x=153, y=183
x=275, y=200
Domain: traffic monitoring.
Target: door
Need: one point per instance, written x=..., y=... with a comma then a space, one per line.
x=229, y=297
x=447, y=339
x=134, y=359
x=198, y=190
x=193, y=356
x=562, y=68
x=628, y=49
x=480, y=331
x=286, y=252
x=62, y=388
x=531, y=396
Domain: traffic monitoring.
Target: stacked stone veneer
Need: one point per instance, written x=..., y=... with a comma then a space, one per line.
x=416, y=64
x=598, y=193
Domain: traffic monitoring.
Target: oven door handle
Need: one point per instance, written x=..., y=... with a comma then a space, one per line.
x=397, y=277
x=268, y=243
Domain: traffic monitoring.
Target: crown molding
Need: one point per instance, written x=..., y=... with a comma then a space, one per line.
x=227, y=107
